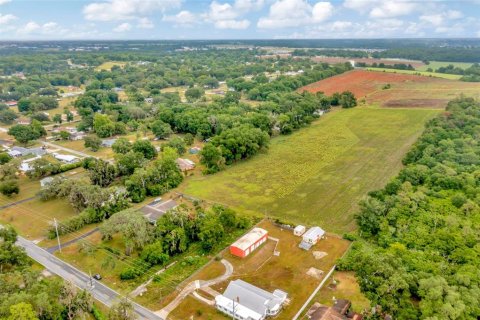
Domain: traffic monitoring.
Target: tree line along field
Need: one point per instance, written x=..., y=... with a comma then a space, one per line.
x=390, y=89
x=318, y=174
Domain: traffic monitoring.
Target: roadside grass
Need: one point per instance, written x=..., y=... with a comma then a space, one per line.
x=420, y=73
x=32, y=219
x=189, y=267
x=318, y=174
x=287, y=272
x=109, y=64
x=346, y=288
x=437, y=64
x=191, y=308
x=79, y=145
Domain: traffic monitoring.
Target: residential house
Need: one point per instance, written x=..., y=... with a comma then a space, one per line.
x=11, y=103
x=65, y=158
x=21, y=151
x=156, y=209
x=249, y=242
x=339, y=311
x=244, y=301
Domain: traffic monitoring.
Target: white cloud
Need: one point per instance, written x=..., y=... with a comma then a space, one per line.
x=4, y=1
x=184, y=18
x=391, y=9
x=114, y=10
x=232, y=24
x=230, y=16
x=454, y=14
x=433, y=19
x=49, y=28
x=145, y=23
x=294, y=13
x=341, y=25
x=7, y=18
x=382, y=9
x=123, y=27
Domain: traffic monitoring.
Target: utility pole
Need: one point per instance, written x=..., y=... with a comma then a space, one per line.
x=234, y=311
x=58, y=237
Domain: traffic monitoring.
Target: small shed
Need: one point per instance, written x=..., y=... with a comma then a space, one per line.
x=185, y=164
x=108, y=142
x=299, y=230
x=313, y=235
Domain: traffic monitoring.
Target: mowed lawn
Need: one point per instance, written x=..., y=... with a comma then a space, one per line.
x=318, y=174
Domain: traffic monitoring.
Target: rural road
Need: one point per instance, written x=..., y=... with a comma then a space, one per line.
x=194, y=285
x=56, y=146
x=99, y=291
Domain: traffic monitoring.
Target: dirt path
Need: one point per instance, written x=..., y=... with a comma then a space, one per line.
x=194, y=285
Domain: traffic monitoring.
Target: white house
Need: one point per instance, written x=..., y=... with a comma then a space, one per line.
x=66, y=158
x=244, y=301
x=311, y=237
x=299, y=230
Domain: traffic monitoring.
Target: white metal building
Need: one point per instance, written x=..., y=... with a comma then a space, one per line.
x=299, y=230
x=244, y=301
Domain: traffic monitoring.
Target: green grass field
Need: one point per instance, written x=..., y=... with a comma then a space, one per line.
x=437, y=64
x=318, y=174
x=109, y=64
x=421, y=73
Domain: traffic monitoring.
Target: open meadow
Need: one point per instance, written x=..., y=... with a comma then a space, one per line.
x=418, y=73
x=389, y=89
x=317, y=175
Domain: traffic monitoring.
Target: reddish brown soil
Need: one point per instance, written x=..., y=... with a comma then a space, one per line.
x=362, y=83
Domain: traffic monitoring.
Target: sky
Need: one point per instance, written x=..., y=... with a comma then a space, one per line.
x=237, y=19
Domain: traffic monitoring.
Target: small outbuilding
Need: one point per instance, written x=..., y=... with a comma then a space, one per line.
x=299, y=230
x=185, y=164
x=249, y=242
x=311, y=237
x=108, y=142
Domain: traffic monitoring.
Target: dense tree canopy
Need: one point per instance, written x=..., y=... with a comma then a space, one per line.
x=419, y=253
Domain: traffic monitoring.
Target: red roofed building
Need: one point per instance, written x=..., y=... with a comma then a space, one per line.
x=249, y=242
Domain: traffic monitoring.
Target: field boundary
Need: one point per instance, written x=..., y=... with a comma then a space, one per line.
x=314, y=293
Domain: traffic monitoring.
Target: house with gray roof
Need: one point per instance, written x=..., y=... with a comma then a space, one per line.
x=244, y=301
x=21, y=151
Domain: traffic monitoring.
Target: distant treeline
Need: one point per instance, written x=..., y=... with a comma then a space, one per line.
x=453, y=54
x=330, y=53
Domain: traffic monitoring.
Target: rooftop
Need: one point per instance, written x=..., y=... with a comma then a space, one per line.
x=250, y=238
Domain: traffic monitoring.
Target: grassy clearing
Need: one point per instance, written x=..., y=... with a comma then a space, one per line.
x=288, y=271
x=437, y=64
x=109, y=64
x=420, y=73
x=346, y=288
x=32, y=219
x=318, y=174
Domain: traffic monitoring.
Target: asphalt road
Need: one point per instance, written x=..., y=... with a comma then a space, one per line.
x=99, y=291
